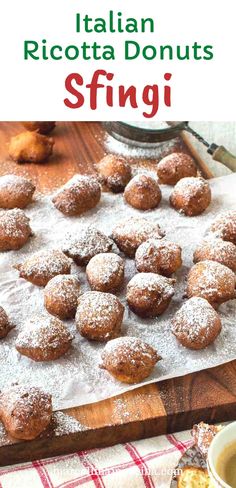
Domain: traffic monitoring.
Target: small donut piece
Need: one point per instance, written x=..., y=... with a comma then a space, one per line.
x=191, y=196
x=5, y=325
x=114, y=172
x=158, y=256
x=99, y=316
x=212, y=281
x=224, y=226
x=25, y=411
x=14, y=229
x=78, y=195
x=30, y=147
x=196, y=325
x=130, y=233
x=149, y=294
x=105, y=272
x=129, y=359
x=174, y=167
x=61, y=296
x=42, y=266
x=41, y=127
x=89, y=242
x=215, y=249
x=143, y=192
x=44, y=338
x=15, y=191
x=203, y=435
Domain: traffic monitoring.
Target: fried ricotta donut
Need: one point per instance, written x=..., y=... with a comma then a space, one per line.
x=196, y=325
x=14, y=229
x=30, y=147
x=130, y=233
x=78, y=195
x=44, y=338
x=89, y=242
x=143, y=192
x=114, y=173
x=129, y=359
x=214, y=249
x=105, y=272
x=212, y=281
x=25, y=411
x=61, y=296
x=224, y=226
x=158, y=256
x=99, y=316
x=191, y=196
x=42, y=266
x=174, y=167
x=15, y=191
x=5, y=325
x=149, y=294
x=41, y=127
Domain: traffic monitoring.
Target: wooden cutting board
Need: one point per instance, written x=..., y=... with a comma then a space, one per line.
x=168, y=406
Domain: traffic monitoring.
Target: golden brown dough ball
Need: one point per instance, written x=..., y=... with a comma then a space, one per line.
x=78, y=195
x=114, y=173
x=214, y=249
x=43, y=266
x=5, y=324
x=41, y=127
x=191, y=196
x=143, y=192
x=149, y=294
x=99, y=316
x=25, y=411
x=44, y=338
x=15, y=191
x=61, y=296
x=212, y=281
x=14, y=229
x=30, y=147
x=129, y=359
x=196, y=325
x=158, y=256
x=130, y=233
x=224, y=226
x=105, y=272
x=174, y=167
x=82, y=246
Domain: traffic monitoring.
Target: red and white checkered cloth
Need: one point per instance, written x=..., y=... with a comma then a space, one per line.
x=146, y=463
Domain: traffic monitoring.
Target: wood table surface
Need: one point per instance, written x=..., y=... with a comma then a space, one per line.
x=168, y=406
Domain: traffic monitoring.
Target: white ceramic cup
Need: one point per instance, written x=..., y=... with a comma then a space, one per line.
x=225, y=437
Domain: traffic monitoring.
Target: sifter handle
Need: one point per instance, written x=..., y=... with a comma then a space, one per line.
x=225, y=157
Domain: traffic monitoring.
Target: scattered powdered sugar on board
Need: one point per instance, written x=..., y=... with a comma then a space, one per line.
x=76, y=378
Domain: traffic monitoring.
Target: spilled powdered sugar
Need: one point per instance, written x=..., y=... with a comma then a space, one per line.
x=76, y=378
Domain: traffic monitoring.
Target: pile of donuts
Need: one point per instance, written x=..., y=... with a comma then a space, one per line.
x=99, y=313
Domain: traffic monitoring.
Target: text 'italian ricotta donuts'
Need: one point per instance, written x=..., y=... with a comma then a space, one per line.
x=99, y=316
x=25, y=411
x=105, y=272
x=15, y=191
x=85, y=244
x=174, y=167
x=129, y=359
x=61, y=296
x=78, y=195
x=14, y=229
x=5, y=324
x=191, y=196
x=143, y=192
x=158, y=256
x=196, y=325
x=212, y=281
x=114, y=172
x=130, y=233
x=215, y=249
x=149, y=294
x=43, y=266
x=224, y=226
x=30, y=147
x=41, y=127
x=44, y=339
